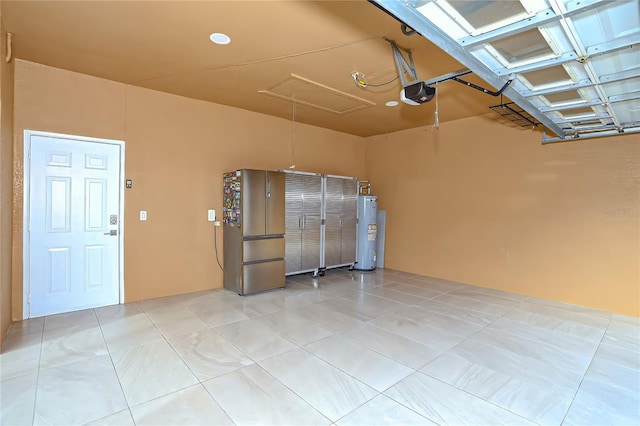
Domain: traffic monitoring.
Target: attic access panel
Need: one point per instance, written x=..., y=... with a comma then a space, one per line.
x=307, y=92
x=576, y=62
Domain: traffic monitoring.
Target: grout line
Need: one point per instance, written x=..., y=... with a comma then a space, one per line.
x=115, y=370
x=336, y=281
x=35, y=396
x=585, y=373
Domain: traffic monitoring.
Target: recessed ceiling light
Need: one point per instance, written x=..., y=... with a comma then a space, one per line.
x=219, y=38
x=392, y=103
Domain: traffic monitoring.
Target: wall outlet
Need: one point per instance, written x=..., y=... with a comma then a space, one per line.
x=211, y=215
x=216, y=223
x=143, y=215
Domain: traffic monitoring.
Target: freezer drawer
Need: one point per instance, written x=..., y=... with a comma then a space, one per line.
x=263, y=276
x=262, y=249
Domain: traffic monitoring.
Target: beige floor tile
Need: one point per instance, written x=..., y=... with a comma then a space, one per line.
x=158, y=303
x=526, y=314
x=369, y=367
x=389, y=293
x=544, y=403
x=255, y=339
x=150, y=371
x=382, y=410
x=130, y=331
x=602, y=403
x=107, y=314
x=176, y=320
x=416, y=290
x=445, y=404
x=29, y=326
x=71, y=344
x=208, y=354
x=86, y=317
x=78, y=393
x=399, y=348
x=328, y=318
x=18, y=399
x=190, y=406
x=329, y=390
x=121, y=418
x=485, y=357
x=271, y=402
x=295, y=327
x=20, y=355
x=218, y=313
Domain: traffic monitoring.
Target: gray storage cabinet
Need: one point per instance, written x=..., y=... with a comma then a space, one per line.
x=320, y=222
x=303, y=222
x=340, y=214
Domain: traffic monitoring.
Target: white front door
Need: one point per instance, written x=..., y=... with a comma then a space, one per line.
x=73, y=223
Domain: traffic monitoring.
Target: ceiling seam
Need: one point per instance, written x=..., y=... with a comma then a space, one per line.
x=260, y=61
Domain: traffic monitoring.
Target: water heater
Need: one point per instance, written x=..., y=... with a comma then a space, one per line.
x=367, y=233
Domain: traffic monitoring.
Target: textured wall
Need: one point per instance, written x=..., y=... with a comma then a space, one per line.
x=176, y=151
x=487, y=204
x=6, y=206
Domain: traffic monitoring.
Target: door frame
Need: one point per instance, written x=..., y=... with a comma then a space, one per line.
x=26, y=282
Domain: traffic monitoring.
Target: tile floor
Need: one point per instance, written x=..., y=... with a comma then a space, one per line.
x=349, y=348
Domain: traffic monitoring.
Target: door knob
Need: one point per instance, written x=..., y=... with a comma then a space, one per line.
x=112, y=233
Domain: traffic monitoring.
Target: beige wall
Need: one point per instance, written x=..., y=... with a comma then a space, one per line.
x=176, y=151
x=474, y=201
x=487, y=204
x=6, y=134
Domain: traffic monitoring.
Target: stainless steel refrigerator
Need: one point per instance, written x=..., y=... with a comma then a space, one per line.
x=254, y=226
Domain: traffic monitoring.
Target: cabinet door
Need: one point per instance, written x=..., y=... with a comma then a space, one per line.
x=311, y=241
x=333, y=239
x=312, y=202
x=333, y=195
x=294, y=194
x=293, y=241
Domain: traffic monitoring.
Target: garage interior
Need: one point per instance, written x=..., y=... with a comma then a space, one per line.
x=511, y=237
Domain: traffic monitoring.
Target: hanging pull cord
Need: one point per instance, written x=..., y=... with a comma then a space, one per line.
x=436, y=120
x=293, y=136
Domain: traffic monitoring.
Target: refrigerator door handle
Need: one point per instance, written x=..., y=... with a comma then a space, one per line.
x=300, y=222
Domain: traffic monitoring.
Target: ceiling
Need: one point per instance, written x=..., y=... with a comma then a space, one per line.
x=307, y=51
x=165, y=46
x=574, y=65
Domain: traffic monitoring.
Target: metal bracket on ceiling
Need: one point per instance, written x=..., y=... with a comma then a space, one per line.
x=408, y=31
x=455, y=76
x=482, y=89
x=402, y=65
x=409, y=68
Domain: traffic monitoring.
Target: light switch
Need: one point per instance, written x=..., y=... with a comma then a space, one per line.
x=143, y=215
x=211, y=215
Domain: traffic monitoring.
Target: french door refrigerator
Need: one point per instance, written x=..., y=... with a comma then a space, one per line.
x=254, y=226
